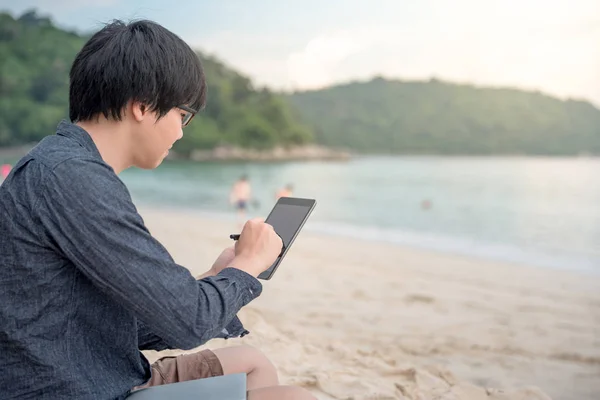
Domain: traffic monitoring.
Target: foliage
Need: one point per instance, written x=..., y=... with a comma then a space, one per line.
x=35, y=60
x=385, y=116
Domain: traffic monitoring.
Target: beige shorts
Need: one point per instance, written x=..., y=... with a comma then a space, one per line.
x=185, y=367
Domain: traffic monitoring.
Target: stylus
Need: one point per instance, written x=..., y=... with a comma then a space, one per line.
x=236, y=236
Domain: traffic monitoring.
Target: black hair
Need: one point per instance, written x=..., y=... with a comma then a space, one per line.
x=140, y=61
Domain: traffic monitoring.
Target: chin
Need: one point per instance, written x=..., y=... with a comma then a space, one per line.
x=149, y=164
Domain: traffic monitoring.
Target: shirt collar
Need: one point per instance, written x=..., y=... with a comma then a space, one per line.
x=79, y=135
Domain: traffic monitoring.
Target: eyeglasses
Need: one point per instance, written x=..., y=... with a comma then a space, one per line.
x=186, y=116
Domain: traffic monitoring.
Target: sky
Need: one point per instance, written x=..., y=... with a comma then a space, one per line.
x=548, y=45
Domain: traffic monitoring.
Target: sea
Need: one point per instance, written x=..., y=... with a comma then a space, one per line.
x=536, y=211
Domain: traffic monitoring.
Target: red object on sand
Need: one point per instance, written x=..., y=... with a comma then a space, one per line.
x=5, y=170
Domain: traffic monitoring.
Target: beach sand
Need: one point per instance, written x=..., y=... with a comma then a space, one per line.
x=349, y=319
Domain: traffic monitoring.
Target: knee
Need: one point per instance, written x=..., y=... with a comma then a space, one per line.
x=246, y=348
x=260, y=359
x=281, y=393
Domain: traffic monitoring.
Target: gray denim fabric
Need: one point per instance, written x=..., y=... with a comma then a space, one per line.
x=84, y=286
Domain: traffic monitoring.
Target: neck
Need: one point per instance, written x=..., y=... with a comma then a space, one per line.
x=112, y=140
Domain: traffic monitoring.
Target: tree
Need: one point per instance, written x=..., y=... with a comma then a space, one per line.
x=35, y=60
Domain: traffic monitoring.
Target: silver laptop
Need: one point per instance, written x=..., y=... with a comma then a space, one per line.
x=227, y=387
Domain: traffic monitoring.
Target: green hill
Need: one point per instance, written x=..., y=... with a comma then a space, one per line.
x=434, y=117
x=35, y=58
x=379, y=116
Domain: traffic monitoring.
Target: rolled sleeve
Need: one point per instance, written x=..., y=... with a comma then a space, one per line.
x=253, y=285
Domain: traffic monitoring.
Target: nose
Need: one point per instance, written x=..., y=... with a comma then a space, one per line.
x=180, y=134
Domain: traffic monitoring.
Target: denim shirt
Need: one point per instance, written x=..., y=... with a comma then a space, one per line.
x=84, y=286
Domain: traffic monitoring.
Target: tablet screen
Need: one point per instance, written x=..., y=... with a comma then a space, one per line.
x=287, y=218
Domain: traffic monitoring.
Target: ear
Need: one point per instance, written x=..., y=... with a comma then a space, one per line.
x=139, y=111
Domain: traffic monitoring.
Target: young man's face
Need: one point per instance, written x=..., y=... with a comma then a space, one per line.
x=154, y=138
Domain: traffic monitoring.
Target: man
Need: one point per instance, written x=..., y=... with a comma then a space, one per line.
x=240, y=196
x=83, y=284
x=287, y=191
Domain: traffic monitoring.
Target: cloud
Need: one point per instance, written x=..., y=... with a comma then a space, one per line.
x=262, y=57
x=533, y=45
x=315, y=65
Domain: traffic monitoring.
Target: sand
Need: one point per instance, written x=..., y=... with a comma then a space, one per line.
x=349, y=319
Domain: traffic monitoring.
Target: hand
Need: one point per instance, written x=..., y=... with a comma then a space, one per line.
x=258, y=247
x=224, y=259
x=222, y=262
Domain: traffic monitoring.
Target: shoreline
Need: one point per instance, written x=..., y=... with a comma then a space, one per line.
x=315, y=152
x=312, y=152
x=443, y=245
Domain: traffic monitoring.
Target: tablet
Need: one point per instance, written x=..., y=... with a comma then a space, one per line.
x=287, y=218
